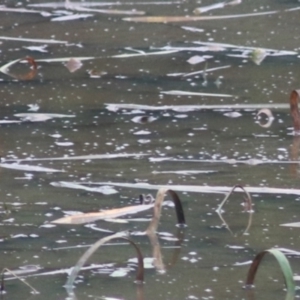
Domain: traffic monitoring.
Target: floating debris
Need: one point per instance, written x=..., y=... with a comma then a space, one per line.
x=270, y=118
x=73, y=65
x=27, y=76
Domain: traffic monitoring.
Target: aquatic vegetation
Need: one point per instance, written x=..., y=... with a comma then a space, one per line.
x=127, y=210
x=247, y=207
x=294, y=99
x=120, y=235
x=158, y=205
x=109, y=105
x=284, y=266
x=7, y=271
x=150, y=232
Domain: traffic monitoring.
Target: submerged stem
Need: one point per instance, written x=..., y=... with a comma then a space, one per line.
x=34, y=291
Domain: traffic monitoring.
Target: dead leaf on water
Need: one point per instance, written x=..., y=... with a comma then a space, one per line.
x=258, y=55
x=27, y=76
x=73, y=65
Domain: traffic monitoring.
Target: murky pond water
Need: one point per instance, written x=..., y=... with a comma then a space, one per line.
x=157, y=103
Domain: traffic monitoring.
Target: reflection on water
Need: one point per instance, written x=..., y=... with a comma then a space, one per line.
x=142, y=103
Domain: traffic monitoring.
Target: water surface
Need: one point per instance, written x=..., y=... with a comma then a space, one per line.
x=207, y=263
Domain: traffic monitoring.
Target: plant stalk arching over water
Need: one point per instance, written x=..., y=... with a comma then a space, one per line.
x=284, y=266
x=94, y=247
x=152, y=228
x=160, y=196
x=248, y=208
